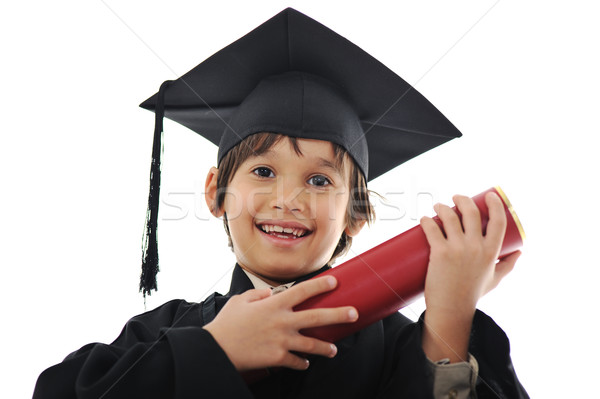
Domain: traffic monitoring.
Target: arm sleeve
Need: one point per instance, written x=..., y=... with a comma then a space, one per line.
x=490, y=346
x=456, y=380
x=159, y=354
x=408, y=372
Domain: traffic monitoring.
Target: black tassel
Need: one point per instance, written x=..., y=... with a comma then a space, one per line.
x=149, y=240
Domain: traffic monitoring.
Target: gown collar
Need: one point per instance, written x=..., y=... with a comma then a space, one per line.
x=241, y=283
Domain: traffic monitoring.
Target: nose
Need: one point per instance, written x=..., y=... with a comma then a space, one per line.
x=289, y=196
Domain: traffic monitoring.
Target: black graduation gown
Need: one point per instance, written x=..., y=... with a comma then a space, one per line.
x=166, y=353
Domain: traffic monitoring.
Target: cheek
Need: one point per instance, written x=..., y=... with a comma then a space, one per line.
x=332, y=210
x=232, y=205
x=240, y=201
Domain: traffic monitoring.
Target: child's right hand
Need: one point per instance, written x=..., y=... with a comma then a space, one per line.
x=258, y=330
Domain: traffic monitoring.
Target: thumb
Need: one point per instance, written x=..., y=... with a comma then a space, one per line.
x=502, y=268
x=506, y=264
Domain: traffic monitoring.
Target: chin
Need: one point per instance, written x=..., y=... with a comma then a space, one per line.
x=288, y=272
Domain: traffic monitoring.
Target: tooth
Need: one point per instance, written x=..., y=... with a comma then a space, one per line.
x=270, y=228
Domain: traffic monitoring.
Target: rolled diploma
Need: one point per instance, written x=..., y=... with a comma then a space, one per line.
x=391, y=275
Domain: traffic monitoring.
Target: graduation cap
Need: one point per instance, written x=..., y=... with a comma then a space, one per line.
x=294, y=76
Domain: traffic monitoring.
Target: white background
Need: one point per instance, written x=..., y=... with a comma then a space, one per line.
x=519, y=79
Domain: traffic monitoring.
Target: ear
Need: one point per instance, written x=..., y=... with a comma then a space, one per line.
x=210, y=192
x=351, y=232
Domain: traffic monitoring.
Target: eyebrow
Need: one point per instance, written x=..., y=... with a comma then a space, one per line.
x=330, y=165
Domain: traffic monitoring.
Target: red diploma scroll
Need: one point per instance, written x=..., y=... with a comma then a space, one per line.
x=392, y=275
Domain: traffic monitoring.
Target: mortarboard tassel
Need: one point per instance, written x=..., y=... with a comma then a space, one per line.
x=150, y=241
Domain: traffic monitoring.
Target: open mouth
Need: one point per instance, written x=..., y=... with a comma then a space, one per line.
x=290, y=233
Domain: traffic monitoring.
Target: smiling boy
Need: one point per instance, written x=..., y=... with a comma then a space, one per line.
x=303, y=119
x=286, y=208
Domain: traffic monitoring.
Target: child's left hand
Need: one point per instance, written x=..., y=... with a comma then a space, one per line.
x=462, y=268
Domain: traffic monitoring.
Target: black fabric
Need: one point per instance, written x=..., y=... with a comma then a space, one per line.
x=299, y=105
x=165, y=353
x=209, y=308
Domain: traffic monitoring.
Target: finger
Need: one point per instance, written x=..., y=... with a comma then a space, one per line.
x=313, y=346
x=449, y=219
x=502, y=268
x=324, y=317
x=471, y=218
x=306, y=289
x=432, y=231
x=294, y=362
x=497, y=224
x=506, y=265
x=256, y=295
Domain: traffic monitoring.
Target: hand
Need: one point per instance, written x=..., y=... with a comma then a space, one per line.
x=258, y=330
x=462, y=268
x=462, y=265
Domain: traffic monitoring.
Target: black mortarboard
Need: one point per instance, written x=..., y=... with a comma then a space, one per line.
x=294, y=76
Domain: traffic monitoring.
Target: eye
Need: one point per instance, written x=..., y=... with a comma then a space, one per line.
x=319, y=181
x=262, y=171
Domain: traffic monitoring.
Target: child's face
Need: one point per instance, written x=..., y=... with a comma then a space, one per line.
x=281, y=189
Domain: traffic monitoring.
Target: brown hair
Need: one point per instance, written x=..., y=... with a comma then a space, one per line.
x=359, y=208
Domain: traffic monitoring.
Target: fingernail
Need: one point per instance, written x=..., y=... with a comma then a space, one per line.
x=333, y=350
x=306, y=364
x=436, y=206
x=353, y=314
x=331, y=281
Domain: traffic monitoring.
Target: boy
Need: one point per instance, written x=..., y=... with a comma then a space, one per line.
x=293, y=162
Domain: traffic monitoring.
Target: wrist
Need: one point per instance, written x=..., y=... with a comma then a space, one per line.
x=460, y=302
x=446, y=334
